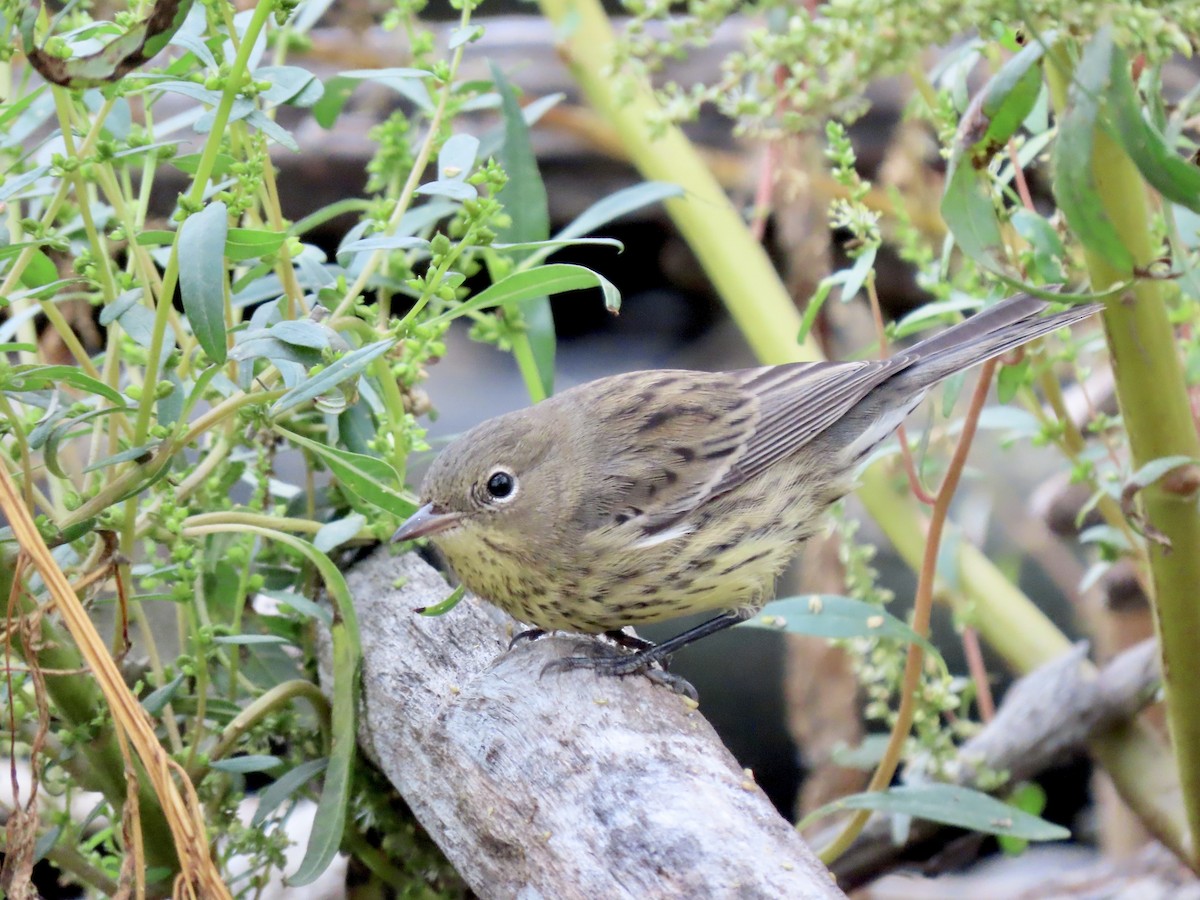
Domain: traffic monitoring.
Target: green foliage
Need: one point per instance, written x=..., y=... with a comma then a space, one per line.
x=153, y=460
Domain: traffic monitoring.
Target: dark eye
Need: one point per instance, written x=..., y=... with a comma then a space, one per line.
x=501, y=485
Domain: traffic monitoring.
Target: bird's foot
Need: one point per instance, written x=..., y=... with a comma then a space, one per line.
x=605, y=660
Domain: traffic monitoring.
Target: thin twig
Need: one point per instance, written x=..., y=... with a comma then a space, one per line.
x=922, y=606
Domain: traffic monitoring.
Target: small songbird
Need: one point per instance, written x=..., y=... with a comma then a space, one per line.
x=650, y=495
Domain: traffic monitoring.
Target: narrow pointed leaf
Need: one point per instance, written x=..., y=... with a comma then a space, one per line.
x=833, y=616
x=202, y=277
x=1176, y=179
x=1074, y=181
x=525, y=201
x=367, y=477
x=349, y=366
x=952, y=805
x=541, y=281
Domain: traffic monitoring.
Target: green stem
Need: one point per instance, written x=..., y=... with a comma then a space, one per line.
x=375, y=259
x=1152, y=393
x=274, y=699
x=736, y=263
x=208, y=160
x=522, y=351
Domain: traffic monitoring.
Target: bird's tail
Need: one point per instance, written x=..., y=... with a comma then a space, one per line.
x=987, y=334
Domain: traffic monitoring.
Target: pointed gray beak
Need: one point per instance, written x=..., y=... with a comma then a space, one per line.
x=425, y=521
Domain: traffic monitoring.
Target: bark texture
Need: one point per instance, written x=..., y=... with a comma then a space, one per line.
x=565, y=786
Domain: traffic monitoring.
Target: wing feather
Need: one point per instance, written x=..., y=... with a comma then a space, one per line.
x=664, y=442
x=799, y=402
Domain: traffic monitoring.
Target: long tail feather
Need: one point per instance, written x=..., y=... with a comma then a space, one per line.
x=985, y=335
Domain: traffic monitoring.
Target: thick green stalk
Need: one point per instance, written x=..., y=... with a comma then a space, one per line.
x=736, y=263
x=1152, y=392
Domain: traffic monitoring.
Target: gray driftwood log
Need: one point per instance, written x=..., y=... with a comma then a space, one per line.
x=560, y=787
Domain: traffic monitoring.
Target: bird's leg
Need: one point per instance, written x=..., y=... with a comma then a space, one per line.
x=627, y=664
x=529, y=634
x=628, y=641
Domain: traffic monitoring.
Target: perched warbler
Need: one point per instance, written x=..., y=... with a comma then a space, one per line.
x=655, y=494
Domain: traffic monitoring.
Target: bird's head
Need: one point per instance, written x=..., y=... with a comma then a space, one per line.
x=491, y=482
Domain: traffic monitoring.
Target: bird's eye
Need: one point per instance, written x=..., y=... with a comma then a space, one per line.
x=501, y=485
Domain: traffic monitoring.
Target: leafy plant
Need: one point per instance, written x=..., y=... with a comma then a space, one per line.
x=147, y=469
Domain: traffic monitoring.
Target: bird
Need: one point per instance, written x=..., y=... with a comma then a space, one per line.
x=649, y=495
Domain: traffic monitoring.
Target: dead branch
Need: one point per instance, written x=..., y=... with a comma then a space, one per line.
x=565, y=786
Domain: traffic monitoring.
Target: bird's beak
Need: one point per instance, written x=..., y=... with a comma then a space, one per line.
x=425, y=521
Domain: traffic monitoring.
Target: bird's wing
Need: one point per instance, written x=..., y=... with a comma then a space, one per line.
x=661, y=442
x=798, y=402
x=682, y=438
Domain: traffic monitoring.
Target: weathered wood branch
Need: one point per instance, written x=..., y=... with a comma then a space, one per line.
x=565, y=786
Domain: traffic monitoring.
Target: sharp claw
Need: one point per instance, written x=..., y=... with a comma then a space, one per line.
x=604, y=661
x=529, y=634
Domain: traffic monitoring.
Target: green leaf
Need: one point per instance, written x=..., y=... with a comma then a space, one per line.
x=260, y=343
x=251, y=243
x=201, y=250
x=36, y=378
x=456, y=159
x=250, y=640
x=618, y=204
x=440, y=609
x=14, y=184
x=241, y=765
x=333, y=534
x=385, y=242
x=144, y=451
x=409, y=83
x=40, y=271
x=997, y=111
x=525, y=201
x=541, y=281
x=337, y=91
x=970, y=214
x=1010, y=379
x=1174, y=178
x=303, y=333
x=1046, y=246
x=1074, y=181
x=813, y=309
x=342, y=369
x=366, y=477
x=302, y=605
x=866, y=755
x=284, y=786
x=289, y=84
x=156, y=700
x=834, y=616
x=1156, y=469
x=190, y=164
x=952, y=805
x=555, y=243
x=857, y=274
x=330, y=821
x=154, y=237
x=1030, y=797
x=993, y=116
